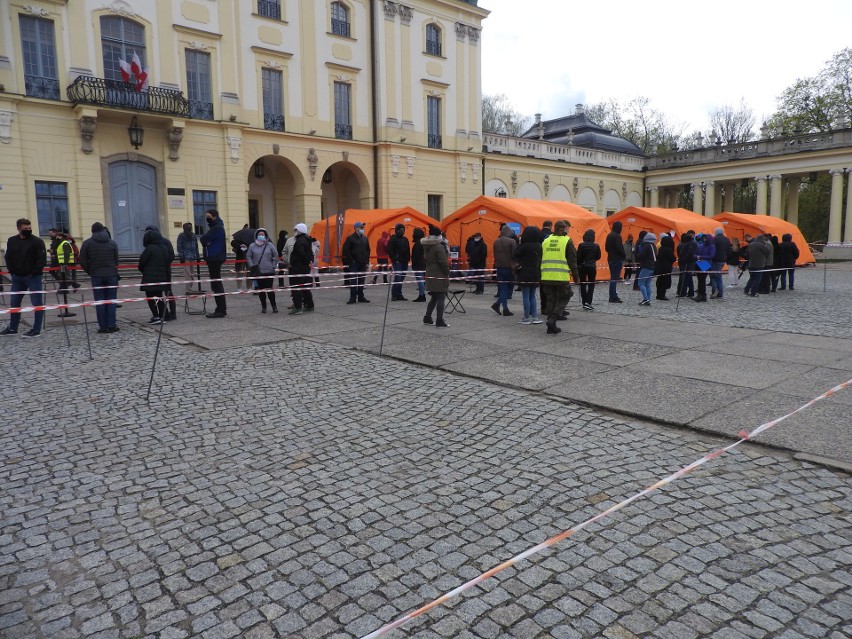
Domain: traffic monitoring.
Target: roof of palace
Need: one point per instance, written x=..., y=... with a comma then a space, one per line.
x=585, y=133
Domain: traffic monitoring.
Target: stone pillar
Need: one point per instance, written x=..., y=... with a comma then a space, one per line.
x=760, y=209
x=710, y=203
x=834, y=219
x=847, y=233
x=729, y=197
x=793, y=200
x=697, y=198
x=655, y=197
x=775, y=196
x=647, y=199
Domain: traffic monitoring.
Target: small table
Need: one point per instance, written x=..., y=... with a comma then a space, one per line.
x=454, y=301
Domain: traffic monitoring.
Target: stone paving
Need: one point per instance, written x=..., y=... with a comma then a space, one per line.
x=281, y=486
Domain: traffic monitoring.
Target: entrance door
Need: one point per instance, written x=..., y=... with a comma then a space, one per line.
x=133, y=201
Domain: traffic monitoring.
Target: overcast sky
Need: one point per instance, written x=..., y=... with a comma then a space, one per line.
x=687, y=57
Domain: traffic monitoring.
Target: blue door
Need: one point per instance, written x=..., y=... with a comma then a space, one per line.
x=133, y=202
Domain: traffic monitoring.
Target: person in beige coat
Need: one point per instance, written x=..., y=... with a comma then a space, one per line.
x=437, y=275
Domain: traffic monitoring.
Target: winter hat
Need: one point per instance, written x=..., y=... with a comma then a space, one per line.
x=359, y=225
x=399, y=226
x=650, y=237
x=718, y=231
x=97, y=227
x=589, y=235
x=301, y=228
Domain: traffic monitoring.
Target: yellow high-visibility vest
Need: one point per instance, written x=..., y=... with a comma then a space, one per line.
x=554, y=266
x=61, y=253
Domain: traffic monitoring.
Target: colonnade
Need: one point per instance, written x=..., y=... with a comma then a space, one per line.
x=711, y=197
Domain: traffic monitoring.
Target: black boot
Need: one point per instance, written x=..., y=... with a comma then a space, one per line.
x=274, y=307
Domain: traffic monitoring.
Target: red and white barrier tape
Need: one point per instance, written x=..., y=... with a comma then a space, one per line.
x=744, y=436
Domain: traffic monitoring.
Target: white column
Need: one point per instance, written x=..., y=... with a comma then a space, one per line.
x=834, y=219
x=847, y=234
x=710, y=203
x=793, y=200
x=760, y=209
x=729, y=197
x=697, y=198
x=655, y=197
x=775, y=195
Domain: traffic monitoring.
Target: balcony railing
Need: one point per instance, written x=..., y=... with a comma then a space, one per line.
x=340, y=27
x=269, y=9
x=200, y=110
x=343, y=131
x=123, y=95
x=39, y=87
x=434, y=141
x=433, y=48
x=273, y=122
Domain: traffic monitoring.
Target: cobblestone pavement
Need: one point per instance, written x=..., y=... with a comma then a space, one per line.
x=301, y=489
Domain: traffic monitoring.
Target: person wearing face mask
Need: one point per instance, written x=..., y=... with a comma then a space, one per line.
x=187, y=250
x=477, y=254
x=399, y=252
x=356, y=258
x=262, y=261
x=301, y=258
x=213, y=242
x=26, y=257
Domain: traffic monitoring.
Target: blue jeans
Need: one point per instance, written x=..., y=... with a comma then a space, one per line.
x=614, y=277
x=792, y=274
x=716, y=280
x=505, y=282
x=22, y=283
x=420, y=276
x=105, y=312
x=399, y=272
x=646, y=276
x=530, y=301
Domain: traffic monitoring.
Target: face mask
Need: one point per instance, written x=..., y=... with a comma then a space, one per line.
x=360, y=231
x=260, y=239
x=477, y=239
x=27, y=232
x=209, y=221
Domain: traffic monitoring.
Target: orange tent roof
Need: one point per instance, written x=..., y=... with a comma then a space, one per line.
x=485, y=214
x=331, y=232
x=658, y=220
x=738, y=224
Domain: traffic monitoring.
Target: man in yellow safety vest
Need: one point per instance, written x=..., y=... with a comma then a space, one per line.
x=558, y=268
x=66, y=261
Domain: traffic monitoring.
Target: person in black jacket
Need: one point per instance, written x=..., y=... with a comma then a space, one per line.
x=528, y=256
x=154, y=264
x=477, y=254
x=418, y=264
x=789, y=253
x=588, y=254
x=301, y=258
x=686, y=264
x=639, y=241
x=26, y=257
x=99, y=258
x=213, y=242
x=615, y=257
x=399, y=252
x=663, y=268
x=171, y=313
x=356, y=258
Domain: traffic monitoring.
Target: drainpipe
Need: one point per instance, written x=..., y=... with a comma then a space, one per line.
x=375, y=104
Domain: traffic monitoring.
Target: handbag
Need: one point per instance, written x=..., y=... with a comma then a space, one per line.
x=703, y=265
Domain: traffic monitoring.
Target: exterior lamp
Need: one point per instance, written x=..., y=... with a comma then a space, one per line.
x=259, y=169
x=136, y=133
x=501, y=192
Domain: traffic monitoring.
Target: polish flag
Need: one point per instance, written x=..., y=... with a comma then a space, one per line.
x=141, y=76
x=125, y=70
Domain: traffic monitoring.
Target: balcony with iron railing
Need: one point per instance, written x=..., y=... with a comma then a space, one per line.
x=269, y=9
x=40, y=87
x=123, y=95
x=200, y=110
x=273, y=122
x=433, y=47
x=343, y=131
x=340, y=27
x=434, y=141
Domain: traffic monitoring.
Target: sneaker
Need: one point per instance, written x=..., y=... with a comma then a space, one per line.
x=308, y=310
x=427, y=320
x=352, y=301
x=615, y=301
x=8, y=331
x=113, y=329
x=507, y=313
x=525, y=321
x=32, y=333
x=155, y=320
x=496, y=307
x=441, y=324
x=591, y=308
x=645, y=303
x=296, y=311
x=363, y=300
x=102, y=331
x=215, y=315
x=535, y=320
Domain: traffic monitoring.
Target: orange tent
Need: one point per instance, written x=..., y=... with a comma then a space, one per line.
x=333, y=231
x=656, y=220
x=738, y=224
x=485, y=214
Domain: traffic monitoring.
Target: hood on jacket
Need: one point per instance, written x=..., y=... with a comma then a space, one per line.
x=787, y=237
x=650, y=237
x=261, y=230
x=667, y=241
x=589, y=235
x=151, y=227
x=616, y=226
x=152, y=236
x=531, y=234
x=102, y=236
x=506, y=231
x=418, y=234
x=431, y=240
x=385, y=235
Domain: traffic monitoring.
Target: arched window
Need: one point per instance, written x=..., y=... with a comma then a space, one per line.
x=120, y=39
x=433, y=39
x=339, y=19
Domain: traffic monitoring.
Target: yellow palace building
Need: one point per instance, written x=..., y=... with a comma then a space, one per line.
x=272, y=111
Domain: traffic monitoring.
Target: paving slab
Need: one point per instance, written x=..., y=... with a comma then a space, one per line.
x=792, y=351
x=815, y=383
x=605, y=350
x=435, y=350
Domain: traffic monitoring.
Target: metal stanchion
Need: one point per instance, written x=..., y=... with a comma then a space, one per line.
x=385, y=319
x=86, y=324
x=157, y=350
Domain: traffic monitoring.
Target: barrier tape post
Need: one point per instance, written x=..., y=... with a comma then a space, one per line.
x=86, y=324
x=824, y=273
x=61, y=315
x=385, y=319
x=157, y=349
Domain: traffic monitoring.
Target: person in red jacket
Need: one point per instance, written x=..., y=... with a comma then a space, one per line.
x=382, y=257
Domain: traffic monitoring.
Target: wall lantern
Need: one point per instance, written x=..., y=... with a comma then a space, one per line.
x=259, y=169
x=136, y=132
x=326, y=177
x=501, y=192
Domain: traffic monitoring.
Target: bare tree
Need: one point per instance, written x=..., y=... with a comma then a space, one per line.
x=732, y=124
x=637, y=121
x=500, y=116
